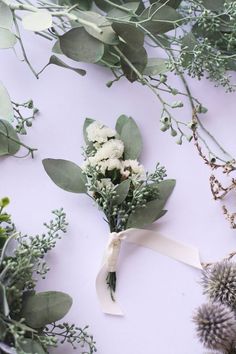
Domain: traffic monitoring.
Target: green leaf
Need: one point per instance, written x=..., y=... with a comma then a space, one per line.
x=107, y=36
x=66, y=175
x=45, y=307
x=131, y=137
x=56, y=61
x=4, y=308
x=145, y=216
x=137, y=57
x=9, y=141
x=172, y=3
x=56, y=47
x=188, y=44
x=31, y=346
x=132, y=35
x=122, y=191
x=124, y=15
x=83, y=4
x=163, y=18
x=6, y=18
x=166, y=187
x=121, y=121
x=156, y=66
x=78, y=45
x=87, y=122
x=213, y=5
x=7, y=39
x=37, y=21
x=6, y=108
x=154, y=209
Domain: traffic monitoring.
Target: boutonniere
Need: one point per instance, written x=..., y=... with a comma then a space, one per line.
x=129, y=197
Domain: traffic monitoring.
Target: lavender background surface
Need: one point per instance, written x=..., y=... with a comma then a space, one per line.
x=157, y=294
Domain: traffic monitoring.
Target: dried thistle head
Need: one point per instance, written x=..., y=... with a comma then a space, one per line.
x=216, y=326
x=219, y=283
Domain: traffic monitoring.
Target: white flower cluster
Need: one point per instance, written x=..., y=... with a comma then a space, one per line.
x=109, y=153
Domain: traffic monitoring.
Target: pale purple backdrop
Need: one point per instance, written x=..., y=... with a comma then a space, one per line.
x=157, y=294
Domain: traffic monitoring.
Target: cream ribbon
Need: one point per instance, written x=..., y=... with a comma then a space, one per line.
x=146, y=238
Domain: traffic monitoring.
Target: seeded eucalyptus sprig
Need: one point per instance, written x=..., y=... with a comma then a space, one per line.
x=15, y=119
x=29, y=320
x=112, y=176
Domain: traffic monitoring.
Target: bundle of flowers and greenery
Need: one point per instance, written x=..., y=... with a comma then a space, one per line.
x=196, y=37
x=216, y=320
x=15, y=119
x=30, y=321
x=112, y=175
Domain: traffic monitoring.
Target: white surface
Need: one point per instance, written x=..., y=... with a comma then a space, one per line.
x=157, y=293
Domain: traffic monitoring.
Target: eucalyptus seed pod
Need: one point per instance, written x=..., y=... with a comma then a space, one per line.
x=216, y=327
x=219, y=283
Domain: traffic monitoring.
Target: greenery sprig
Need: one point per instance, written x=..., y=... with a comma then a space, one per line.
x=111, y=175
x=15, y=119
x=29, y=320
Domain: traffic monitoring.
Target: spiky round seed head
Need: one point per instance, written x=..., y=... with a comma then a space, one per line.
x=216, y=326
x=219, y=283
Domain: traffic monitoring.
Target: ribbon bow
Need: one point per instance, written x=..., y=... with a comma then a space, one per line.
x=146, y=238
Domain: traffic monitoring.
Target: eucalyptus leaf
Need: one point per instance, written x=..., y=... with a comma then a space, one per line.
x=121, y=121
x=137, y=57
x=131, y=137
x=156, y=66
x=9, y=141
x=31, y=346
x=37, y=21
x=87, y=122
x=66, y=175
x=188, y=44
x=6, y=17
x=103, y=5
x=7, y=39
x=213, y=5
x=78, y=45
x=145, y=216
x=166, y=187
x=172, y=3
x=6, y=108
x=56, y=47
x=107, y=35
x=45, y=308
x=132, y=35
x=56, y=61
x=122, y=191
x=4, y=307
x=124, y=15
x=161, y=18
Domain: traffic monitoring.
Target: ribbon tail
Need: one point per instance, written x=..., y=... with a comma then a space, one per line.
x=108, y=306
x=162, y=244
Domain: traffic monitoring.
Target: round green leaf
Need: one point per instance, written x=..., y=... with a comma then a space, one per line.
x=9, y=141
x=155, y=66
x=107, y=35
x=122, y=191
x=7, y=39
x=129, y=33
x=66, y=175
x=78, y=45
x=37, y=21
x=6, y=108
x=6, y=18
x=45, y=307
x=31, y=346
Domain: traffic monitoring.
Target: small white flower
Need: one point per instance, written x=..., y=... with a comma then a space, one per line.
x=105, y=183
x=109, y=165
x=112, y=149
x=98, y=132
x=132, y=167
